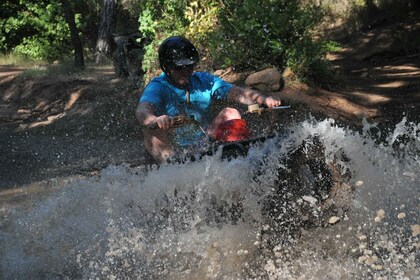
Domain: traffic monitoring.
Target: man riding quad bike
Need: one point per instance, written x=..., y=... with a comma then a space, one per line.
x=305, y=181
x=180, y=91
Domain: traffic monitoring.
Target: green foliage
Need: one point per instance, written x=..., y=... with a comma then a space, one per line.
x=36, y=29
x=277, y=33
x=246, y=34
x=307, y=58
x=196, y=20
x=158, y=20
x=270, y=32
x=203, y=28
x=242, y=33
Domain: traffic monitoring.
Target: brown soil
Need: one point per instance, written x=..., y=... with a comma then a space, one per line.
x=55, y=126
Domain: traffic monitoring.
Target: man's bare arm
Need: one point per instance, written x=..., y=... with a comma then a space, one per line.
x=249, y=96
x=145, y=115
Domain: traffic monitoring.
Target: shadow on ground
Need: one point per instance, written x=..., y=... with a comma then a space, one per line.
x=60, y=126
x=380, y=78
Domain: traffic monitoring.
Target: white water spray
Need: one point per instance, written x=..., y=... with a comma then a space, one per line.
x=178, y=221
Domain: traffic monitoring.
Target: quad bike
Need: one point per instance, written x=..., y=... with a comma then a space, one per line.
x=230, y=147
x=128, y=54
x=308, y=190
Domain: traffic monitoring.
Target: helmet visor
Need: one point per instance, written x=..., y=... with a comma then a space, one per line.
x=183, y=62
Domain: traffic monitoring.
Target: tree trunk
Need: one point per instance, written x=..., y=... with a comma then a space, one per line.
x=77, y=43
x=106, y=27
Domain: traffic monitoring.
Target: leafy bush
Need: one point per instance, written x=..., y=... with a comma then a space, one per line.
x=36, y=29
x=271, y=32
x=158, y=20
x=196, y=20
x=247, y=34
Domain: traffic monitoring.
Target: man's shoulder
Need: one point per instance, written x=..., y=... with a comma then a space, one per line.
x=159, y=82
x=204, y=75
x=204, y=78
x=161, y=79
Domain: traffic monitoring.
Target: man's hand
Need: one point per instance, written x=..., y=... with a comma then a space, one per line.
x=272, y=102
x=164, y=121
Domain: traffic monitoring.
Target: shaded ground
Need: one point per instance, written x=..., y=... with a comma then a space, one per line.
x=61, y=125
x=381, y=77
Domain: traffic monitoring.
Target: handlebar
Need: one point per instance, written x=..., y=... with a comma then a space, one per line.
x=178, y=121
x=182, y=119
x=255, y=108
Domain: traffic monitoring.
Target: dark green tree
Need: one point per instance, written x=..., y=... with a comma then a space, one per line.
x=106, y=28
x=77, y=43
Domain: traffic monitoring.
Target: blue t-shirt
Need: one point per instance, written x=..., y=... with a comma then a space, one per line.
x=169, y=100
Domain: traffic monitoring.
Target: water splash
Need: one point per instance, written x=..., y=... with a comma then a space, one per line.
x=207, y=219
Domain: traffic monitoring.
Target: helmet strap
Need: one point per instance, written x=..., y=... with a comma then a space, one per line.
x=187, y=97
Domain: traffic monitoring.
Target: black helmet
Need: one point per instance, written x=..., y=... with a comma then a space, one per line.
x=177, y=51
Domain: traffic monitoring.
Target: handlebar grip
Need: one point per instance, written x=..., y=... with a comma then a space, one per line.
x=177, y=121
x=152, y=126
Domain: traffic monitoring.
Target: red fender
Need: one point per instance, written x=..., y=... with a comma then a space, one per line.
x=232, y=130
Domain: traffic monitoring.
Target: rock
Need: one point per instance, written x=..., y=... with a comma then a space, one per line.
x=371, y=260
x=415, y=230
x=312, y=200
x=401, y=215
x=333, y=220
x=362, y=237
x=377, y=267
x=362, y=259
x=380, y=214
x=368, y=252
x=266, y=80
x=410, y=174
x=270, y=267
x=358, y=184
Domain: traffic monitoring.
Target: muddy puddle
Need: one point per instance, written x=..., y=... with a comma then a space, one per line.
x=182, y=221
